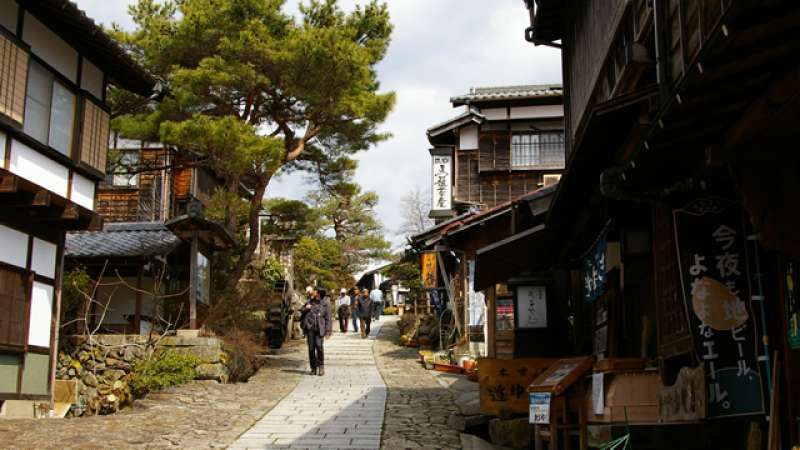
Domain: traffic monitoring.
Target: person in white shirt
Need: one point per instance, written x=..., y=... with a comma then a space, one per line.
x=377, y=303
x=343, y=309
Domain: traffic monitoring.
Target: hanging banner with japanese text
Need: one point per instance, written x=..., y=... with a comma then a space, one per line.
x=442, y=179
x=594, y=270
x=712, y=257
x=429, y=276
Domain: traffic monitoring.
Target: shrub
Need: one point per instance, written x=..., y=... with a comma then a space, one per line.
x=243, y=351
x=390, y=310
x=167, y=368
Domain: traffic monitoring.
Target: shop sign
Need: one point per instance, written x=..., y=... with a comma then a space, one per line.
x=714, y=274
x=428, y=264
x=594, y=270
x=532, y=307
x=442, y=172
x=539, y=410
x=504, y=383
x=792, y=305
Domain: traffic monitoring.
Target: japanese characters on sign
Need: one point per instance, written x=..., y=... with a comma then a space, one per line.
x=429, y=279
x=594, y=271
x=532, y=306
x=714, y=275
x=442, y=173
x=539, y=412
x=504, y=314
x=792, y=305
x=504, y=382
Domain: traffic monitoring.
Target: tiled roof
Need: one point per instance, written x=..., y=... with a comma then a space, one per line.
x=470, y=115
x=485, y=94
x=123, y=239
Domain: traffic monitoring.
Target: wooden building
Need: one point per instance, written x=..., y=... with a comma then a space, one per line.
x=682, y=256
x=55, y=68
x=507, y=142
x=156, y=250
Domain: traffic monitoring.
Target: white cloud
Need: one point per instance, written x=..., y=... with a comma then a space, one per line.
x=440, y=48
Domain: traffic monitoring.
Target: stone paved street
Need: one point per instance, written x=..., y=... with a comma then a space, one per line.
x=196, y=415
x=418, y=406
x=374, y=395
x=343, y=409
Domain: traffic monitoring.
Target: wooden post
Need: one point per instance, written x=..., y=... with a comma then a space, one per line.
x=193, y=282
x=137, y=318
x=55, y=320
x=491, y=322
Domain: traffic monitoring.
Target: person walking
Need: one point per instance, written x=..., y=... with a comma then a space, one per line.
x=364, y=312
x=316, y=322
x=377, y=303
x=343, y=309
x=354, y=308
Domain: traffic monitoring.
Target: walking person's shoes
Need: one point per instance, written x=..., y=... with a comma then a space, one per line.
x=321, y=371
x=313, y=371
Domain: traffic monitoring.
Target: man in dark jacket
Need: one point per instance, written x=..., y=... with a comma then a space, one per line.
x=364, y=312
x=317, y=325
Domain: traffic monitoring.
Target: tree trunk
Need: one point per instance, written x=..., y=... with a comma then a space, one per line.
x=253, y=223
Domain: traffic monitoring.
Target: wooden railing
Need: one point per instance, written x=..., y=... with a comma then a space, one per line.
x=13, y=78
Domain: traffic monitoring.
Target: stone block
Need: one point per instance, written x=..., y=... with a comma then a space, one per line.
x=514, y=433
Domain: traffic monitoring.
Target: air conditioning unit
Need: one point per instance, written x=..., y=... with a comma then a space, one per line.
x=551, y=179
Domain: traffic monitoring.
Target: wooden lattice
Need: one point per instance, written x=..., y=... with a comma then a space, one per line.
x=13, y=79
x=94, y=136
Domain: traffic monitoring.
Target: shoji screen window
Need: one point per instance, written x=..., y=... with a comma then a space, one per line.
x=49, y=110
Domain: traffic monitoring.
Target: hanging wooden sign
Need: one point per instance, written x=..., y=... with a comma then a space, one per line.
x=714, y=274
x=429, y=270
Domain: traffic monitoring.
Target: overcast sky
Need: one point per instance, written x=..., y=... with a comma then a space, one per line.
x=440, y=48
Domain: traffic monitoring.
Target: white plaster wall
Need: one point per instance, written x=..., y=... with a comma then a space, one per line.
x=92, y=79
x=32, y=165
x=468, y=138
x=82, y=191
x=534, y=112
x=8, y=15
x=494, y=113
x=14, y=245
x=51, y=48
x=43, y=258
x=41, y=315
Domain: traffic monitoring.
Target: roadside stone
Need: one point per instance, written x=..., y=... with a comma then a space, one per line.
x=212, y=372
x=514, y=433
x=89, y=379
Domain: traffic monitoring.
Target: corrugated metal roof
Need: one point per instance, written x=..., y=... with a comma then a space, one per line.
x=485, y=94
x=121, y=240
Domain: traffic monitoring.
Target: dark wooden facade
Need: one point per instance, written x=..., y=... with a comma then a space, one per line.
x=668, y=102
x=487, y=165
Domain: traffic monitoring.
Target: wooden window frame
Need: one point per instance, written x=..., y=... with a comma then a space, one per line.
x=29, y=276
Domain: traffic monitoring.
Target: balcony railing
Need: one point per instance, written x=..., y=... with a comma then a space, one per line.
x=542, y=152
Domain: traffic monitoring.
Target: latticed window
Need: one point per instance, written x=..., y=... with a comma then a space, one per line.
x=13, y=79
x=537, y=150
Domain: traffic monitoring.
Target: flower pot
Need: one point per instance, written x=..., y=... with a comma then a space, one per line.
x=429, y=365
x=448, y=368
x=469, y=365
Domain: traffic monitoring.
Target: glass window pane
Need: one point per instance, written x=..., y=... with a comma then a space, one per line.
x=62, y=119
x=37, y=102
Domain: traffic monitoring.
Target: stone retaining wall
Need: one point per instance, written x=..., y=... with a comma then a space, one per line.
x=102, y=367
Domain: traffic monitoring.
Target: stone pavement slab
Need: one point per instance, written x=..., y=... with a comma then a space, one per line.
x=343, y=409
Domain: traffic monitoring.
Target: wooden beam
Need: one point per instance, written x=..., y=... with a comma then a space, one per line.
x=9, y=183
x=193, y=282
